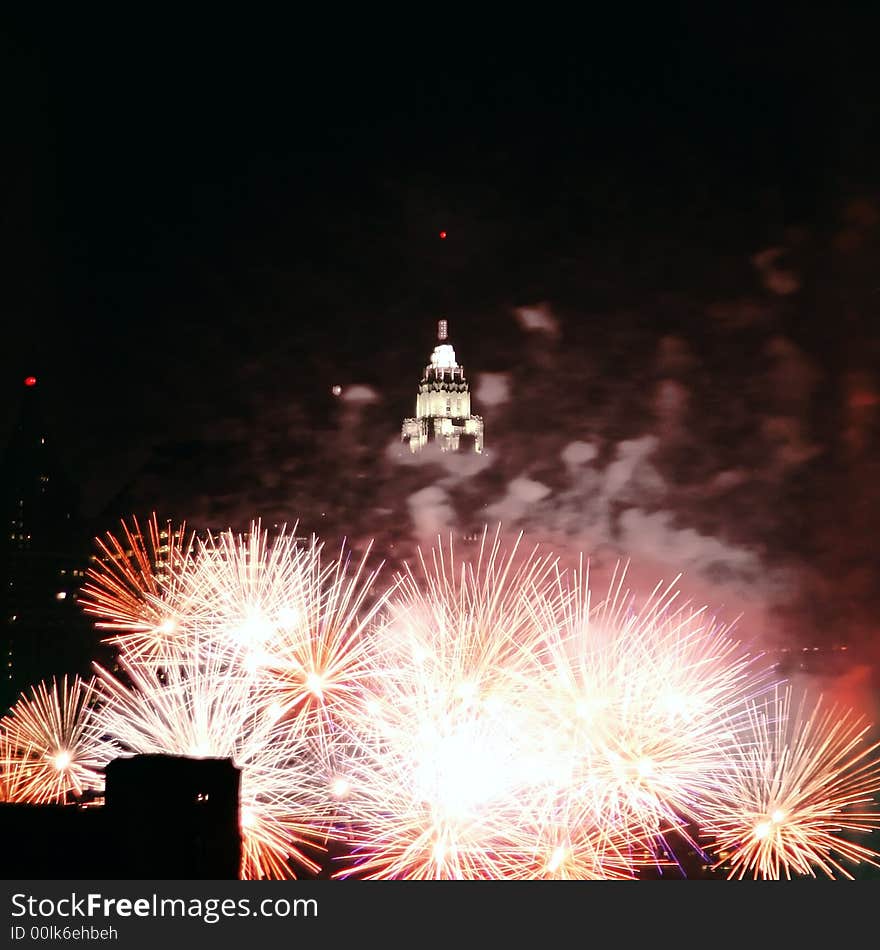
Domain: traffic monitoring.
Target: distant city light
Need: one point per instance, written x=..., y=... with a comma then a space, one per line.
x=336, y=390
x=30, y=380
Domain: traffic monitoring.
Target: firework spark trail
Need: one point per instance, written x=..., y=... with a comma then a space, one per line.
x=467, y=622
x=638, y=706
x=192, y=702
x=242, y=591
x=9, y=766
x=289, y=801
x=277, y=609
x=792, y=797
x=49, y=753
x=132, y=581
x=448, y=737
x=437, y=784
x=316, y=666
x=558, y=841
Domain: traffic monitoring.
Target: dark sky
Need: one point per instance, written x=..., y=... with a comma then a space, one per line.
x=207, y=223
x=155, y=171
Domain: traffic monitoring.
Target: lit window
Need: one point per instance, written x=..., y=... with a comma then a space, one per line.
x=61, y=595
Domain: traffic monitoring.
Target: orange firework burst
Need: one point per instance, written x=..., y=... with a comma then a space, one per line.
x=793, y=796
x=130, y=584
x=49, y=750
x=278, y=610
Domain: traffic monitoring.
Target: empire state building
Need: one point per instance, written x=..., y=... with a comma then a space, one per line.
x=443, y=405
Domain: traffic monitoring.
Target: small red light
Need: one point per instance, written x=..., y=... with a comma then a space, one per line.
x=442, y=235
x=30, y=381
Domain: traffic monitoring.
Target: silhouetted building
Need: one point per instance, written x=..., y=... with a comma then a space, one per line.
x=178, y=816
x=43, y=557
x=164, y=818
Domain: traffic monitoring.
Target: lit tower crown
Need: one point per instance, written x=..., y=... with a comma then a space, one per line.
x=443, y=405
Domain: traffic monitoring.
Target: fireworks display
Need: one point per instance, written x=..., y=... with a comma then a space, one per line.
x=130, y=589
x=448, y=741
x=48, y=750
x=796, y=792
x=476, y=718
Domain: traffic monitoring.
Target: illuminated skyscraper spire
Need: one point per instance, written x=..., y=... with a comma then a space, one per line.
x=443, y=404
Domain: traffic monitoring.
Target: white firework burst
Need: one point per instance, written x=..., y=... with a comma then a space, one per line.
x=797, y=793
x=49, y=753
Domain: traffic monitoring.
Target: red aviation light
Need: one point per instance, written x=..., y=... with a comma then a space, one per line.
x=30, y=380
x=442, y=235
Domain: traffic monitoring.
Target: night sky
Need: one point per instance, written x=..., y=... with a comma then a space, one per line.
x=660, y=275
